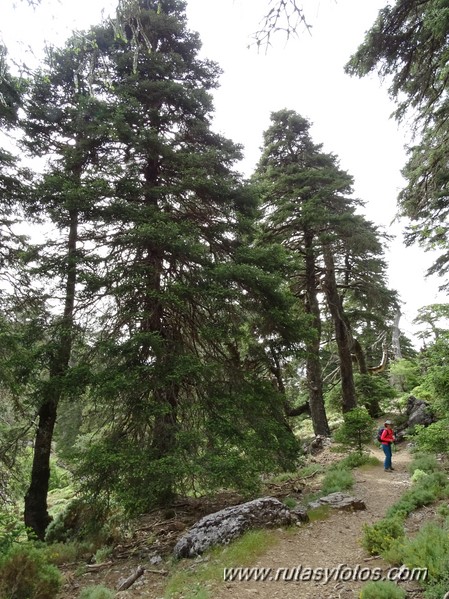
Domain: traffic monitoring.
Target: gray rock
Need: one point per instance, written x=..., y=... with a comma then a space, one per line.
x=339, y=501
x=300, y=513
x=418, y=412
x=226, y=525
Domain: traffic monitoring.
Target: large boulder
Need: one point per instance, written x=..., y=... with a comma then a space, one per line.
x=339, y=501
x=226, y=525
x=418, y=412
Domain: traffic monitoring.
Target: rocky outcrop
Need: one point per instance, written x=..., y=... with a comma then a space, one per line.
x=226, y=525
x=339, y=501
x=418, y=412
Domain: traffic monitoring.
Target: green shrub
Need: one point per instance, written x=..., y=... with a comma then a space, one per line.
x=356, y=430
x=290, y=502
x=438, y=589
x=433, y=438
x=424, y=491
x=59, y=477
x=96, y=592
x=428, y=549
x=102, y=554
x=81, y=521
x=337, y=480
x=418, y=475
x=379, y=537
x=309, y=470
x=382, y=590
x=355, y=460
x=426, y=462
x=12, y=530
x=26, y=574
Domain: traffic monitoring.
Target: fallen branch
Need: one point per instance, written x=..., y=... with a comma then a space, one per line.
x=161, y=572
x=131, y=579
x=98, y=567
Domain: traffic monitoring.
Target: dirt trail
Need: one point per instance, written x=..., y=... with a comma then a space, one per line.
x=330, y=542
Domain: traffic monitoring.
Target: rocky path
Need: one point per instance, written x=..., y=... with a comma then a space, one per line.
x=330, y=543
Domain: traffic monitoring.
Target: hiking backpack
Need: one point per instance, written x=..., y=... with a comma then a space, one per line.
x=379, y=433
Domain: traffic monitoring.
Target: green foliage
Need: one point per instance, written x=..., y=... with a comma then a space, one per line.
x=357, y=459
x=382, y=589
x=64, y=553
x=424, y=491
x=407, y=371
x=339, y=479
x=26, y=573
x=187, y=581
x=437, y=589
x=357, y=429
x=428, y=549
x=378, y=538
x=12, y=530
x=423, y=461
x=96, y=592
x=309, y=470
x=290, y=502
x=83, y=520
x=373, y=391
x=408, y=45
x=59, y=477
x=418, y=475
x=102, y=554
x=433, y=438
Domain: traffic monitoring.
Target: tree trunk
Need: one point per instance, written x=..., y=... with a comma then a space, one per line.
x=396, y=336
x=360, y=356
x=36, y=515
x=313, y=364
x=342, y=333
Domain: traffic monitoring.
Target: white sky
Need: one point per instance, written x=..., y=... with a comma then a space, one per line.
x=351, y=117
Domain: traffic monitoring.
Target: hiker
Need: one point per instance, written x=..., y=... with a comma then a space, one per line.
x=387, y=438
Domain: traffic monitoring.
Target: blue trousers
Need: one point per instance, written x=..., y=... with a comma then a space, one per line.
x=387, y=452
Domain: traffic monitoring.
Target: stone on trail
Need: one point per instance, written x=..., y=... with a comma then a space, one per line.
x=339, y=501
x=230, y=523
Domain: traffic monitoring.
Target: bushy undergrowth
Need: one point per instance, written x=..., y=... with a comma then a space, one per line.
x=432, y=438
x=357, y=459
x=25, y=573
x=430, y=547
x=96, y=592
x=338, y=479
x=424, y=461
x=11, y=531
x=382, y=590
x=378, y=538
x=424, y=491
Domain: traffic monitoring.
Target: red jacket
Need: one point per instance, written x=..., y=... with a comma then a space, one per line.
x=387, y=436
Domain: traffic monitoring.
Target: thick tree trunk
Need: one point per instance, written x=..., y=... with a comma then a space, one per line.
x=313, y=364
x=342, y=333
x=36, y=515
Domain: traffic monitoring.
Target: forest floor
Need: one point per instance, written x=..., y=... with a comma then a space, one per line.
x=327, y=543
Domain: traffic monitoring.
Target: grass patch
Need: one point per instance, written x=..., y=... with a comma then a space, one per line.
x=337, y=479
x=310, y=470
x=194, y=580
